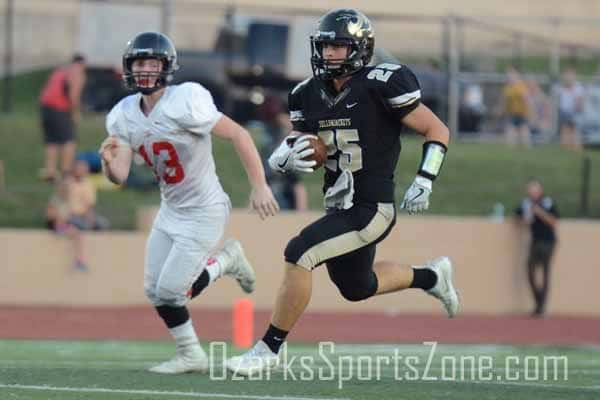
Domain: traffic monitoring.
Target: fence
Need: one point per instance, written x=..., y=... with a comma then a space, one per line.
x=467, y=50
x=452, y=53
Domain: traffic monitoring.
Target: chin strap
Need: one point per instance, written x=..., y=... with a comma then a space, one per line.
x=151, y=90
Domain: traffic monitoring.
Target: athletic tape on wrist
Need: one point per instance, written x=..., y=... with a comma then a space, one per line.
x=434, y=154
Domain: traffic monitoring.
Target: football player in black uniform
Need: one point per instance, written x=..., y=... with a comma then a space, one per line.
x=358, y=111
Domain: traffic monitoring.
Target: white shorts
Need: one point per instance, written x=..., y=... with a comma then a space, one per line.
x=177, y=250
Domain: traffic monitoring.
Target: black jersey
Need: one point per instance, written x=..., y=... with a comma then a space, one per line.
x=360, y=125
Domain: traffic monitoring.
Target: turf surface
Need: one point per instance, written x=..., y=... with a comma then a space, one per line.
x=116, y=370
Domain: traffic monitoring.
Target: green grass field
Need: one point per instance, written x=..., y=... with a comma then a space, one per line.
x=474, y=178
x=66, y=370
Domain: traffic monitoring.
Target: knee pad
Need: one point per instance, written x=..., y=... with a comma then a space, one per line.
x=356, y=289
x=295, y=249
x=357, y=293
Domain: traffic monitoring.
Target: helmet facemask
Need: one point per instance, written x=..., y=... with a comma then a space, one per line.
x=136, y=80
x=326, y=69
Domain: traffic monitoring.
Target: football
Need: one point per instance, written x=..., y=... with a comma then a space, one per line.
x=320, y=154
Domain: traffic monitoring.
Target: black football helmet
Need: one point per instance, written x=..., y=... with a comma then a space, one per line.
x=150, y=45
x=342, y=27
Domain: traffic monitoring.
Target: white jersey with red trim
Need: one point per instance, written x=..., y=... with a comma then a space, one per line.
x=175, y=141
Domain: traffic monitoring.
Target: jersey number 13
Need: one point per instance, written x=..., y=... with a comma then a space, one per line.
x=176, y=174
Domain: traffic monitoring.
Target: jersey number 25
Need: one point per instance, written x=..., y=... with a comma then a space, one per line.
x=346, y=142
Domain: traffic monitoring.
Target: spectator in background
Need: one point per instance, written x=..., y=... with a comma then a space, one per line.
x=287, y=188
x=516, y=109
x=570, y=94
x=60, y=112
x=472, y=108
x=81, y=199
x=57, y=220
x=540, y=213
x=540, y=116
x=93, y=160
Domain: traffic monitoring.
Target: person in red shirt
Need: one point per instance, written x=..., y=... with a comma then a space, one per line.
x=60, y=112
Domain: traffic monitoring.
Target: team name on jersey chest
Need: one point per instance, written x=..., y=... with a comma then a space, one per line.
x=335, y=123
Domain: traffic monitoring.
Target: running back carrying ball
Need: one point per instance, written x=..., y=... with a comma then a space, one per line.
x=366, y=107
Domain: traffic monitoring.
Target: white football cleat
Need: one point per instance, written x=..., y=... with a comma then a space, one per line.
x=257, y=359
x=190, y=359
x=444, y=289
x=237, y=265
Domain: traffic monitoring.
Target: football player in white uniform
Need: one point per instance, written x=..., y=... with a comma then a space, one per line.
x=170, y=128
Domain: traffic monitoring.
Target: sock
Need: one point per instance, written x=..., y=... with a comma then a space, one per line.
x=214, y=268
x=274, y=338
x=184, y=335
x=211, y=273
x=200, y=284
x=424, y=278
x=220, y=262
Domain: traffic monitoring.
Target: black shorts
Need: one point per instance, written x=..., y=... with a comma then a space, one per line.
x=343, y=237
x=517, y=120
x=58, y=126
x=540, y=252
x=566, y=118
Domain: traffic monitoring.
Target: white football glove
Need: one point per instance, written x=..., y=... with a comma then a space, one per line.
x=416, y=198
x=290, y=158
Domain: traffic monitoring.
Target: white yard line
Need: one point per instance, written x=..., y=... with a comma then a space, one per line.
x=593, y=388
x=161, y=393
x=537, y=385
